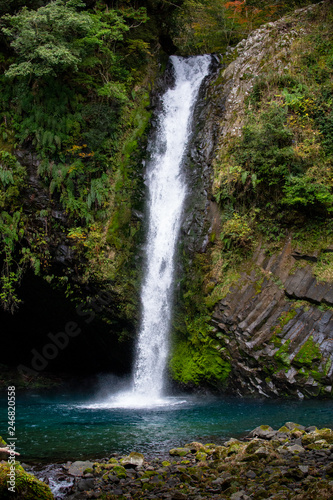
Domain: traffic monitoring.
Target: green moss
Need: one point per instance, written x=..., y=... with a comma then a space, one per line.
x=200, y=456
x=275, y=340
x=195, y=364
x=147, y=487
x=120, y=471
x=148, y=474
x=308, y=353
x=2, y=442
x=285, y=317
x=27, y=486
x=258, y=285
x=282, y=355
x=328, y=365
x=304, y=372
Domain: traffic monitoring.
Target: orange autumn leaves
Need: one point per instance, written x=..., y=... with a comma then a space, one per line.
x=243, y=14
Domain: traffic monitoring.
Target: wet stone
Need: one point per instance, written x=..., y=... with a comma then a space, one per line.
x=85, y=484
x=77, y=468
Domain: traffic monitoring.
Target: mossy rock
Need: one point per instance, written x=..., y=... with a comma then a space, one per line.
x=308, y=439
x=180, y=452
x=284, y=430
x=165, y=463
x=120, y=471
x=107, y=466
x=315, y=446
x=2, y=442
x=326, y=434
x=27, y=486
x=148, y=474
x=251, y=458
x=220, y=453
x=134, y=459
x=195, y=446
x=292, y=426
x=253, y=446
x=147, y=487
x=308, y=353
x=113, y=461
x=201, y=456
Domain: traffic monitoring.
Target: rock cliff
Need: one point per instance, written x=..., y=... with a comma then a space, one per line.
x=277, y=327
x=273, y=320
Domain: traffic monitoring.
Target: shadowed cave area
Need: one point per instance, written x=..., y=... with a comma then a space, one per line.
x=86, y=344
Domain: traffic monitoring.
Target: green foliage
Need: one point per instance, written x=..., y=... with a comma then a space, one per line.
x=301, y=191
x=287, y=144
x=49, y=40
x=265, y=148
x=323, y=269
x=11, y=232
x=12, y=180
x=57, y=37
x=194, y=365
x=236, y=231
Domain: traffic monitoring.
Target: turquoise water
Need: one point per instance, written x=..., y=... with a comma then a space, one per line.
x=66, y=426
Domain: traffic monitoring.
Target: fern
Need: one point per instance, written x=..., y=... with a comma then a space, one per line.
x=6, y=177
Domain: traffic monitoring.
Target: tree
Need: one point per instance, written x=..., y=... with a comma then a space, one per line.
x=57, y=37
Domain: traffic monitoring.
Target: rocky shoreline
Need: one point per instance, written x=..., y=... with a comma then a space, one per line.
x=292, y=462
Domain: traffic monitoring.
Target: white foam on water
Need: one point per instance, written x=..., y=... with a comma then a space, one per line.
x=132, y=400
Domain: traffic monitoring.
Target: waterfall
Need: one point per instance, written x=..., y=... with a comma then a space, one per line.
x=166, y=195
x=165, y=200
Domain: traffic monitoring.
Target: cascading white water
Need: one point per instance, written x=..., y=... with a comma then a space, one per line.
x=166, y=197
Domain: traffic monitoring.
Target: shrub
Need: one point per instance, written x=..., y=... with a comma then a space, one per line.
x=236, y=231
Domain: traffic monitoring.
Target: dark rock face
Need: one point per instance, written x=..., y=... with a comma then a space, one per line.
x=302, y=285
x=278, y=346
x=198, y=213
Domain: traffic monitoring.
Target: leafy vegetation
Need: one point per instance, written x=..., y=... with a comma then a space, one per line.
x=67, y=93
x=202, y=26
x=280, y=168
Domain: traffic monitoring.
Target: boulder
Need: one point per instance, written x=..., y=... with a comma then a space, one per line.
x=134, y=460
x=263, y=432
x=180, y=452
x=77, y=468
